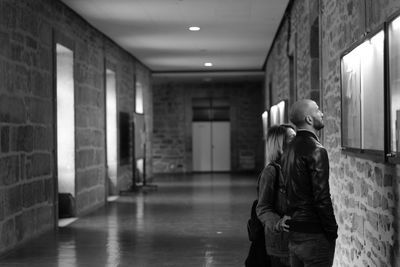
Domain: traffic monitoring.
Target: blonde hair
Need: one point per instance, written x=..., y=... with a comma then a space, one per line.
x=275, y=143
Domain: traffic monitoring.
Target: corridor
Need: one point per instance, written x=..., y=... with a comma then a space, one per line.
x=191, y=220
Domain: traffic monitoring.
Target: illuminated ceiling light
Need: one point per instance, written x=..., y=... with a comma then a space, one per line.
x=208, y=64
x=194, y=29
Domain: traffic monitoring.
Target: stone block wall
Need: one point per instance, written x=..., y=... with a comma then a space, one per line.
x=366, y=207
x=28, y=185
x=26, y=122
x=172, y=108
x=89, y=114
x=364, y=191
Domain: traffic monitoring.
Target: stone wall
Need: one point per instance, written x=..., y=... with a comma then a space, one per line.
x=364, y=191
x=26, y=121
x=28, y=185
x=172, y=139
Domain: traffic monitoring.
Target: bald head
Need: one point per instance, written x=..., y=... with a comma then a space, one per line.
x=300, y=110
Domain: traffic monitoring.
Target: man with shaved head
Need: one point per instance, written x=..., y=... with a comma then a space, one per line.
x=305, y=165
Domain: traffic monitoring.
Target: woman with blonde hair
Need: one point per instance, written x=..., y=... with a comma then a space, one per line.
x=271, y=207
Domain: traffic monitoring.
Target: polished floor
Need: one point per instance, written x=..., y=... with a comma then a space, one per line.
x=189, y=221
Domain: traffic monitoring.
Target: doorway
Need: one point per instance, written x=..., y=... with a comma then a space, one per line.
x=211, y=129
x=211, y=146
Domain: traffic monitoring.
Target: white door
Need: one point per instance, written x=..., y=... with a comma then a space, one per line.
x=221, y=146
x=201, y=145
x=211, y=146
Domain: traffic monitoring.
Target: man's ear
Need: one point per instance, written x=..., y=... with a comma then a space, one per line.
x=308, y=120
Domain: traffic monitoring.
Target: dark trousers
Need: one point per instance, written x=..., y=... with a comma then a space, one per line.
x=279, y=262
x=310, y=250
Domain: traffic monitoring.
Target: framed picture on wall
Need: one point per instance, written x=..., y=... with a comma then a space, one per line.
x=124, y=138
x=394, y=83
x=265, y=123
x=278, y=113
x=139, y=97
x=362, y=89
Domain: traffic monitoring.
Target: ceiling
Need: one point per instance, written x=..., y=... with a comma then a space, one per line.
x=235, y=35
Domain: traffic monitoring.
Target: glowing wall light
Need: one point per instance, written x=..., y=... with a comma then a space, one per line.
x=65, y=120
x=111, y=109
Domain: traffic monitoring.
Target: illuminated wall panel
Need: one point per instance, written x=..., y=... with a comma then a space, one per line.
x=139, y=98
x=278, y=113
x=65, y=120
x=362, y=95
x=111, y=109
x=394, y=50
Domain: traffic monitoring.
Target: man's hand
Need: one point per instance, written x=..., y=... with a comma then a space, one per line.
x=281, y=225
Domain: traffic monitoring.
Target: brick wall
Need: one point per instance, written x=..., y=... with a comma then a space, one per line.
x=172, y=139
x=27, y=164
x=364, y=192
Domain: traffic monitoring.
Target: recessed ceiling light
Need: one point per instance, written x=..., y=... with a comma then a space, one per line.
x=194, y=29
x=208, y=64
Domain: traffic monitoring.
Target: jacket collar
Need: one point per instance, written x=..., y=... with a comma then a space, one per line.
x=304, y=132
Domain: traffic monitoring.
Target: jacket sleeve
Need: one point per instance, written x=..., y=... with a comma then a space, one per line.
x=322, y=197
x=265, y=208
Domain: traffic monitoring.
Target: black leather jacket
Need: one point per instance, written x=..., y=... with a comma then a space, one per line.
x=305, y=165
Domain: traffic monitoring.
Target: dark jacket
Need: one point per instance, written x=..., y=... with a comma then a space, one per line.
x=271, y=207
x=305, y=165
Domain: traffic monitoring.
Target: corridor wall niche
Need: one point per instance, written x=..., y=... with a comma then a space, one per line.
x=111, y=110
x=139, y=98
x=139, y=133
x=65, y=120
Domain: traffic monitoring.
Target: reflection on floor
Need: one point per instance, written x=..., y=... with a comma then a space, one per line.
x=193, y=220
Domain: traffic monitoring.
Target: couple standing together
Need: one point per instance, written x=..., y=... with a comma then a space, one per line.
x=294, y=202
